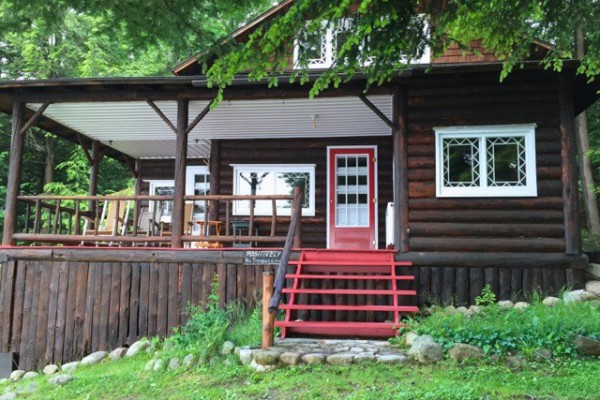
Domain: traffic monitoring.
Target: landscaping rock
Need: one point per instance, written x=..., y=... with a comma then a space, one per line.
x=94, y=358
x=50, y=369
x=289, y=358
x=463, y=310
x=314, y=358
x=168, y=345
x=266, y=357
x=340, y=359
x=8, y=396
x=227, y=348
x=261, y=368
x=460, y=352
x=236, y=351
x=593, y=287
x=31, y=388
x=587, y=346
x=16, y=375
x=30, y=375
x=505, y=304
x=150, y=365
x=521, y=305
x=515, y=362
x=542, y=354
x=451, y=310
x=159, y=365
x=70, y=367
x=577, y=296
x=425, y=350
x=364, y=358
x=117, y=353
x=475, y=309
x=593, y=271
x=410, y=338
x=393, y=359
x=551, y=301
x=246, y=356
x=189, y=361
x=61, y=379
x=138, y=346
x=174, y=363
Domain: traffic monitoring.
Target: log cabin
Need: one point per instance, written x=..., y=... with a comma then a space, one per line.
x=422, y=189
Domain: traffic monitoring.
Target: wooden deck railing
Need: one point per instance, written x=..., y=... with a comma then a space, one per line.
x=141, y=220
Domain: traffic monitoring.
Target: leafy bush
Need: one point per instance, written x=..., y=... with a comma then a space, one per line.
x=487, y=297
x=500, y=331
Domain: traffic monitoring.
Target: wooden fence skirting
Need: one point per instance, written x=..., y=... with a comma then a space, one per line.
x=55, y=312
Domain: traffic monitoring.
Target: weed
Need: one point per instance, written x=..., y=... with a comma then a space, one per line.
x=487, y=297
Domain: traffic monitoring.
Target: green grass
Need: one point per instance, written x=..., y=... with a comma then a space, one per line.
x=126, y=379
x=500, y=331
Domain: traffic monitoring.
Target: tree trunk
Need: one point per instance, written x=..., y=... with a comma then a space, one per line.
x=49, y=166
x=585, y=166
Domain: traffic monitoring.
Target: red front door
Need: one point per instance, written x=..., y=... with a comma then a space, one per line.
x=352, y=198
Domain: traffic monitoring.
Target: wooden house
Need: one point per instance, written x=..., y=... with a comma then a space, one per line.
x=435, y=184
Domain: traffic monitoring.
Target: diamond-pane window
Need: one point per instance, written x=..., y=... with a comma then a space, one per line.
x=486, y=161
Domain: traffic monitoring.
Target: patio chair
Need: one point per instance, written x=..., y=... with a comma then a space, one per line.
x=113, y=220
x=165, y=227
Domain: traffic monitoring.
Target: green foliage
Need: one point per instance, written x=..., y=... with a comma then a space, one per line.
x=247, y=330
x=487, y=297
x=500, y=331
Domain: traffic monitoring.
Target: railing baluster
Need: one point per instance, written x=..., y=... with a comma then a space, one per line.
x=116, y=220
x=27, y=216
x=37, y=217
x=136, y=213
x=273, y=216
x=227, y=216
x=96, y=210
x=251, y=218
x=206, y=227
x=55, y=230
x=77, y=218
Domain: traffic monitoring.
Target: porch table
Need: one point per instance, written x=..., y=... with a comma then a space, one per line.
x=205, y=231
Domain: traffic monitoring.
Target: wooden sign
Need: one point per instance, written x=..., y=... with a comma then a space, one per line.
x=262, y=257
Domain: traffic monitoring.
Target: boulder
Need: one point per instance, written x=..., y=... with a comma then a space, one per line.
x=340, y=359
x=150, y=365
x=551, y=301
x=227, y=348
x=593, y=271
x=94, y=358
x=521, y=305
x=70, y=367
x=61, y=379
x=393, y=359
x=505, y=304
x=542, y=354
x=159, y=365
x=236, y=351
x=425, y=350
x=50, y=369
x=593, y=287
x=189, y=361
x=261, y=368
x=174, y=363
x=246, y=356
x=117, y=353
x=409, y=338
x=314, y=358
x=266, y=357
x=475, y=309
x=30, y=375
x=463, y=310
x=138, y=346
x=587, y=346
x=364, y=358
x=450, y=310
x=577, y=296
x=460, y=352
x=289, y=358
x=8, y=396
x=16, y=375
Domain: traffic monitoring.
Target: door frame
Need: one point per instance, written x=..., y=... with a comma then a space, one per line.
x=375, y=183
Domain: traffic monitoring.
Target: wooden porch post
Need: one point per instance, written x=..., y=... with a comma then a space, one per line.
x=400, y=165
x=570, y=173
x=215, y=179
x=181, y=145
x=14, y=172
x=94, y=168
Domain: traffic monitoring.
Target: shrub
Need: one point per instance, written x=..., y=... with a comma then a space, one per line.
x=500, y=331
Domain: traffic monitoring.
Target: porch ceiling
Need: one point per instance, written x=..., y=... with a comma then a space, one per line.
x=135, y=129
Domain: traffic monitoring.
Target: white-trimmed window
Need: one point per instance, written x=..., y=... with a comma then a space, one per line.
x=486, y=161
x=273, y=179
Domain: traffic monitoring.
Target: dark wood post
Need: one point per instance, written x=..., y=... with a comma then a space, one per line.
x=569, y=173
x=94, y=168
x=297, y=215
x=137, y=190
x=14, y=173
x=215, y=179
x=400, y=165
x=181, y=145
x=268, y=317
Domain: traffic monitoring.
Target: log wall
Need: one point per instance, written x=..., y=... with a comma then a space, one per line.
x=484, y=224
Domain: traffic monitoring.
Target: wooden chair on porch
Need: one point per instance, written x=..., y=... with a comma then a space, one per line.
x=113, y=221
x=165, y=227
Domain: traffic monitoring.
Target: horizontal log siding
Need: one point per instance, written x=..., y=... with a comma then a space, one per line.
x=484, y=224
x=60, y=311
x=307, y=151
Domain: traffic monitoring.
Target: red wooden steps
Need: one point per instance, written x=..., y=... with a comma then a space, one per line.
x=337, y=266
